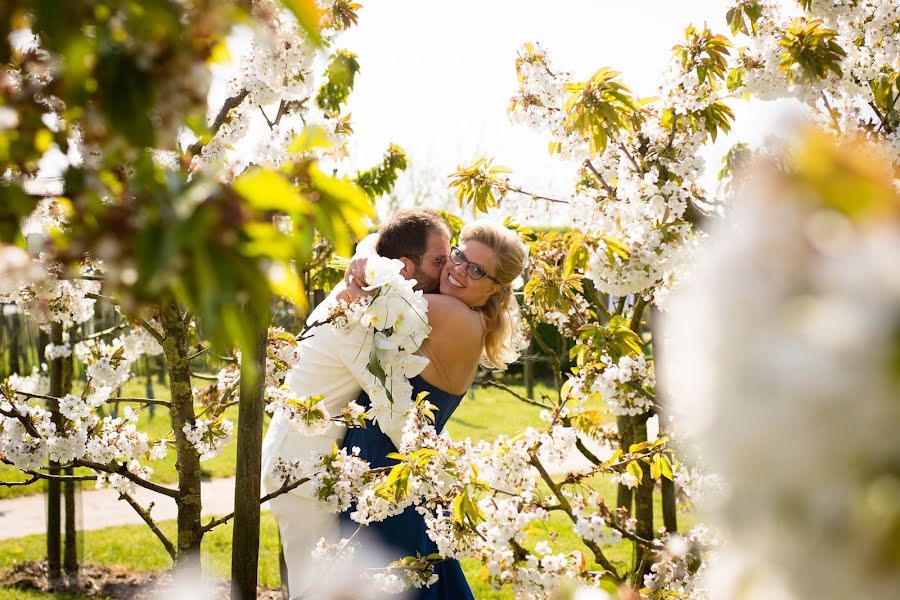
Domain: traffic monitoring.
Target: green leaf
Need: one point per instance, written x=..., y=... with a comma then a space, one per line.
x=268, y=190
x=309, y=16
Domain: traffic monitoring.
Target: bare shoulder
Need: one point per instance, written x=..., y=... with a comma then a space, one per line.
x=451, y=316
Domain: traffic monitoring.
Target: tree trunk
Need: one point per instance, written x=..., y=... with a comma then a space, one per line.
x=670, y=514
x=643, y=503
x=245, y=537
x=54, y=534
x=623, y=492
x=187, y=463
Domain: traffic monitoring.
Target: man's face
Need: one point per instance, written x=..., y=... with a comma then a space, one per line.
x=428, y=272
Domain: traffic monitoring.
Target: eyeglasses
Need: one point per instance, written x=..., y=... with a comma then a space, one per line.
x=472, y=270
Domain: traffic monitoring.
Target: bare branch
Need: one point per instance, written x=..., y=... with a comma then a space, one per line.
x=287, y=487
x=98, y=334
x=511, y=392
x=145, y=515
x=147, y=401
x=519, y=190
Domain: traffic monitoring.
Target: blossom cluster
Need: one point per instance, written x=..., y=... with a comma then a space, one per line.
x=208, y=436
x=642, y=183
x=843, y=99
x=626, y=385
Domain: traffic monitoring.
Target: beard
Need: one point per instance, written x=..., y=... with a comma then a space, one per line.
x=426, y=283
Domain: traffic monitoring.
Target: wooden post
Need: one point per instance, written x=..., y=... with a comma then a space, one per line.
x=245, y=536
x=54, y=533
x=70, y=545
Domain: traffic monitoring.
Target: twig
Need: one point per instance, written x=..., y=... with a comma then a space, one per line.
x=606, y=186
x=637, y=168
x=24, y=420
x=519, y=190
x=199, y=353
x=510, y=391
x=145, y=515
x=567, y=508
x=613, y=522
x=50, y=477
x=147, y=401
x=287, y=487
x=98, y=334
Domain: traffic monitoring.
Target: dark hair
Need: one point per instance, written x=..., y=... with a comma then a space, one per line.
x=406, y=232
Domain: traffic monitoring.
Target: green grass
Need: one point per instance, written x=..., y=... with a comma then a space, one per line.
x=484, y=414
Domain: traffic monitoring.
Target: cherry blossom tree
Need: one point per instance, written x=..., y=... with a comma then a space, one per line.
x=158, y=214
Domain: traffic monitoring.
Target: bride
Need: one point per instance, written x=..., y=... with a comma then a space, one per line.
x=474, y=320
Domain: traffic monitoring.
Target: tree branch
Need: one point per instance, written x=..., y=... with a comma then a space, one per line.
x=636, y=314
x=98, y=334
x=511, y=392
x=28, y=481
x=567, y=508
x=122, y=470
x=519, y=190
x=230, y=103
x=287, y=487
x=606, y=186
x=148, y=401
x=159, y=337
x=145, y=515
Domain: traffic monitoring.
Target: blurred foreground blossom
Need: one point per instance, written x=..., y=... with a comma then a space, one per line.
x=784, y=367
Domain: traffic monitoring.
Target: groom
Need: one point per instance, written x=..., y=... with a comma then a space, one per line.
x=334, y=365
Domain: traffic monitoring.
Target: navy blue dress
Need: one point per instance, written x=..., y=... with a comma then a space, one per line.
x=405, y=534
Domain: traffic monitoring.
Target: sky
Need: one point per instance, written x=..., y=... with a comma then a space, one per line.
x=436, y=77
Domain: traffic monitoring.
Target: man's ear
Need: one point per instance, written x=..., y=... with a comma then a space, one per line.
x=409, y=267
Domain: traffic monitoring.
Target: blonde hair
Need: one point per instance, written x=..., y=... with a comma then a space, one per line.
x=501, y=311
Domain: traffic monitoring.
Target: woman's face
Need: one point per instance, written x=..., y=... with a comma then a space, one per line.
x=457, y=279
